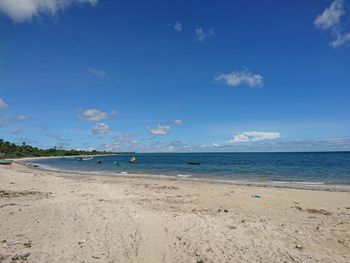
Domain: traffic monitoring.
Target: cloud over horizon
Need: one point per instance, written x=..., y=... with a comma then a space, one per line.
x=260, y=145
x=159, y=130
x=100, y=128
x=95, y=115
x=254, y=136
x=24, y=10
x=237, y=78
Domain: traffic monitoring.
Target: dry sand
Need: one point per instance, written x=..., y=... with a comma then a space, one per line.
x=60, y=217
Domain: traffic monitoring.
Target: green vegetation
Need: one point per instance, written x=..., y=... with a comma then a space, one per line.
x=11, y=150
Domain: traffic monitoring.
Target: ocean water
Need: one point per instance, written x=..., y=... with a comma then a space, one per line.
x=323, y=168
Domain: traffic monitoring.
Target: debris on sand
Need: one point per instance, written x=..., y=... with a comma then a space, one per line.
x=3, y=258
x=316, y=211
x=10, y=204
x=28, y=244
x=10, y=244
x=313, y=211
x=23, y=257
x=298, y=207
x=10, y=194
x=300, y=247
x=256, y=196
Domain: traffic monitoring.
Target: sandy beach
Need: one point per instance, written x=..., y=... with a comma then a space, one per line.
x=48, y=216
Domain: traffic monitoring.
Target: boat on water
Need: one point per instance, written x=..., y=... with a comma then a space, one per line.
x=85, y=158
x=6, y=162
x=133, y=159
x=193, y=163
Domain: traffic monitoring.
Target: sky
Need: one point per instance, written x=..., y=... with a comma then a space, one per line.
x=176, y=76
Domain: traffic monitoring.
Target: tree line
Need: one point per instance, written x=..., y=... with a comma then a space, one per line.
x=12, y=150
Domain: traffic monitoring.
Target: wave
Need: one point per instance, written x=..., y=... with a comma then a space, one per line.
x=184, y=175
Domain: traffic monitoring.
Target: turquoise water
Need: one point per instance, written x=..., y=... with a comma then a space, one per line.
x=324, y=167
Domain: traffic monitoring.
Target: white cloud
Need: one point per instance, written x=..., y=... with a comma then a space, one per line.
x=178, y=26
x=340, y=40
x=330, y=144
x=254, y=136
x=25, y=10
x=98, y=72
x=3, y=104
x=202, y=35
x=8, y=118
x=100, y=128
x=160, y=130
x=22, y=117
x=237, y=78
x=330, y=17
x=95, y=115
x=178, y=122
x=240, y=138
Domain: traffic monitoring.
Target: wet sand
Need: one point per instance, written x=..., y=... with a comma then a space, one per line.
x=48, y=216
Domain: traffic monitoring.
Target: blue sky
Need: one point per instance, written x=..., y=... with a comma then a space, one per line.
x=176, y=76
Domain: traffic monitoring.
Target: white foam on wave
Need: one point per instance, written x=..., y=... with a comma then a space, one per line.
x=184, y=175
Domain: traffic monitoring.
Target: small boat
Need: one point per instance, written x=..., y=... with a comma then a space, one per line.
x=133, y=159
x=6, y=162
x=87, y=158
x=193, y=163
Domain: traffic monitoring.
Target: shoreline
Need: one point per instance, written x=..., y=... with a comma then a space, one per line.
x=305, y=185
x=59, y=157
x=76, y=217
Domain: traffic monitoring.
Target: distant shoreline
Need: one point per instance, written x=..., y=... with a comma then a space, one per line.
x=58, y=157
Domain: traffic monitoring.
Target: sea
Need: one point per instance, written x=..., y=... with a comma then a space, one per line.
x=325, y=170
